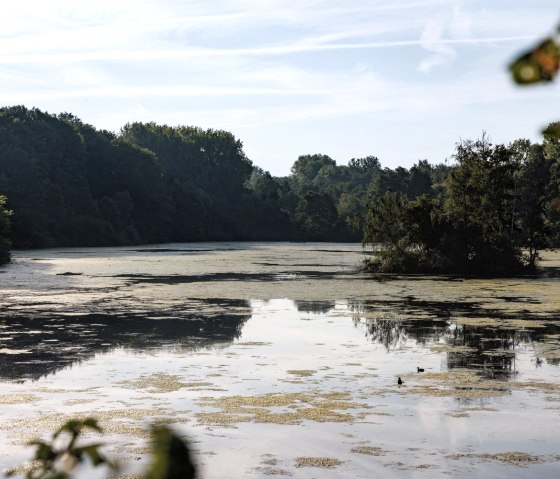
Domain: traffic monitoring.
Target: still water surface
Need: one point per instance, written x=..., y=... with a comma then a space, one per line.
x=269, y=357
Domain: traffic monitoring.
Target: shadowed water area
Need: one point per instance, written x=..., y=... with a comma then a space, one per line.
x=282, y=360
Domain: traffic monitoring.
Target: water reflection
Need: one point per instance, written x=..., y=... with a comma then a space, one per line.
x=316, y=307
x=33, y=347
x=491, y=350
x=36, y=344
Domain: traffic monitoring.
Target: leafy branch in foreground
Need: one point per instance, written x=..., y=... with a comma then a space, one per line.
x=539, y=65
x=51, y=462
x=170, y=456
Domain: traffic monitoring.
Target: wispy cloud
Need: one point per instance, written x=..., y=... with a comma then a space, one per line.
x=438, y=45
x=433, y=41
x=267, y=65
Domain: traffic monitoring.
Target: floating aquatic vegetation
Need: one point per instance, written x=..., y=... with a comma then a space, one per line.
x=115, y=421
x=524, y=323
x=498, y=352
x=274, y=471
x=457, y=393
x=270, y=467
x=450, y=348
x=425, y=308
x=66, y=390
x=162, y=383
x=536, y=385
x=220, y=418
x=457, y=414
x=298, y=407
x=23, y=430
x=75, y=402
x=22, y=469
x=464, y=412
x=459, y=383
x=17, y=398
x=369, y=450
x=481, y=322
x=301, y=372
x=549, y=350
x=133, y=448
x=514, y=458
x=325, y=462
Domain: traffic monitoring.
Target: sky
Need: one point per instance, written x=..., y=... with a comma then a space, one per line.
x=400, y=80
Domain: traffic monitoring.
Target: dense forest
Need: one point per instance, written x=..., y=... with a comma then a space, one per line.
x=491, y=212
x=65, y=183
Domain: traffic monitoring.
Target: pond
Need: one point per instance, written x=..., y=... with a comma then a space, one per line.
x=279, y=359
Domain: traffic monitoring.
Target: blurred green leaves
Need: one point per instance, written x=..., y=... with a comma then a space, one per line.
x=52, y=462
x=170, y=455
x=538, y=65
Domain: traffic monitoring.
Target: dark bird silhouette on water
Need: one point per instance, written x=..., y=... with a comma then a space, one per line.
x=399, y=381
x=420, y=370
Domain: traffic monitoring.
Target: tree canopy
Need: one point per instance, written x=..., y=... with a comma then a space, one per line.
x=490, y=214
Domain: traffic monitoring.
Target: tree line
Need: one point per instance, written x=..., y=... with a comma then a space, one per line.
x=490, y=212
x=66, y=183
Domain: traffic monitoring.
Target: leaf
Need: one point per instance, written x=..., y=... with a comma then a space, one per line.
x=91, y=451
x=170, y=456
x=44, y=451
x=76, y=426
x=540, y=64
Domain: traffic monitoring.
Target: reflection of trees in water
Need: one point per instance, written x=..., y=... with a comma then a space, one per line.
x=388, y=326
x=317, y=307
x=494, y=348
x=491, y=350
x=47, y=345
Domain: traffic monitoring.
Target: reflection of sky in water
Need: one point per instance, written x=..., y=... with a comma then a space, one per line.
x=355, y=339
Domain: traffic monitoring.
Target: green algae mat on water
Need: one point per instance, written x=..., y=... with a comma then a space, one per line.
x=283, y=360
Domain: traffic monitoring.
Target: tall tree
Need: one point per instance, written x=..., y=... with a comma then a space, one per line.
x=5, y=242
x=479, y=203
x=531, y=201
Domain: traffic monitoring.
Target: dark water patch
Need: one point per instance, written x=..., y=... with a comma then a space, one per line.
x=518, y=299
x=225, y=302
x=388, y=277
x=72, y=252
x=171, y=250
x=212, y=277
x=181, y=250
x=551, y=271
x=34, y=347
x=295, y=265
x=341, y=251
x=316, y=307
x=69, y=273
